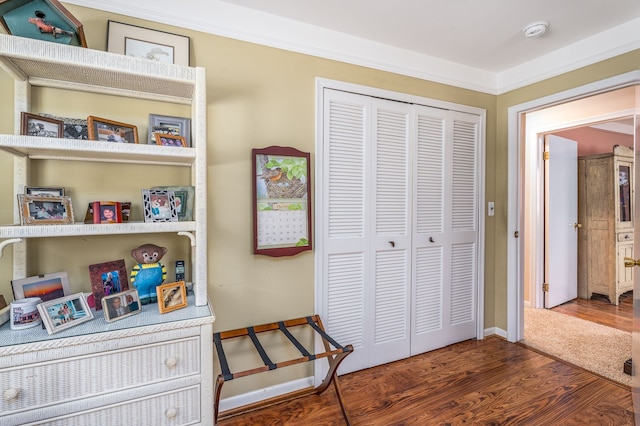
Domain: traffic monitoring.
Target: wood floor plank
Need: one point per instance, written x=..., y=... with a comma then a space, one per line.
x=599, y=310
x=487, y=382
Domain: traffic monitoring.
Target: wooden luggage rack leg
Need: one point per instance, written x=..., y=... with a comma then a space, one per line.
x=334, y=357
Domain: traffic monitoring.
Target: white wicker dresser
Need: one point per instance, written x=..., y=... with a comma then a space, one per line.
x=147, y=369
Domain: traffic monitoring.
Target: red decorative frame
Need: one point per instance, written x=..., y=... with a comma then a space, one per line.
x=281, y=199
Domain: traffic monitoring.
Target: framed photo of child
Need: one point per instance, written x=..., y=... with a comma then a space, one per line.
x=108, y=278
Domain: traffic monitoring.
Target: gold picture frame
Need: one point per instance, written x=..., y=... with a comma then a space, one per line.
x=171, y=296
x=45, y=210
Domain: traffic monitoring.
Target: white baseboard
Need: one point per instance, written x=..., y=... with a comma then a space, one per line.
x=266, y=393
x=495, y=330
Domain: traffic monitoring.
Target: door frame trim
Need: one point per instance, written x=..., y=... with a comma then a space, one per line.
x=518, y=136
x=320, y=204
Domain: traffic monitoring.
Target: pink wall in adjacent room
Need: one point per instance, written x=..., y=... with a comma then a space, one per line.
x=595, y=141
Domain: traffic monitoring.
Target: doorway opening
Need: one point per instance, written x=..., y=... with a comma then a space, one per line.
x=526, y=210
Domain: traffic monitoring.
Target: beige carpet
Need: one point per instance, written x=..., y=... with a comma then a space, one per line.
x=591, y=346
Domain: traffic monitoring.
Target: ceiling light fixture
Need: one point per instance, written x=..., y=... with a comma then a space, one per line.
x=535, y=29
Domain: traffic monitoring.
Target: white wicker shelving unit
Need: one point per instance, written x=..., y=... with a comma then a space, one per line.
x=164, y=361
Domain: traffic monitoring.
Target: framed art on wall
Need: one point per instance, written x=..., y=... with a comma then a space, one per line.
x=281, y=201
x=146, y=43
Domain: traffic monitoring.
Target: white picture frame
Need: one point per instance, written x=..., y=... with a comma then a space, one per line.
x=56, y=318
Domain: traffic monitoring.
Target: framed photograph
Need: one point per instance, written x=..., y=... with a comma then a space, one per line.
x=176, y=126
x=101, y=129
x=159, y=206
x=184, y=200
x=74, y=128
x=166, y=139
x=107, y=212
x=171, y=296
x=41, y=210
x=46, y=287
x=121, y=305
x=65, y=312
x=43, y=20
x=145, y=43
x=281, y=201
x=108, y=278
x=44, y=192
x=125, y=212
x=37, y=125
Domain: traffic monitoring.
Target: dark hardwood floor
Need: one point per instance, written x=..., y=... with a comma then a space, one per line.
x=599, y=310
x=486, y=382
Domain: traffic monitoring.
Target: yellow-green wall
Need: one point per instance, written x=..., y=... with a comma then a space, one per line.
x=257, y=97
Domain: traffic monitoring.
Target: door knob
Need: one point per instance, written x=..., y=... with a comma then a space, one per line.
x=577, y=225
x=630, y=262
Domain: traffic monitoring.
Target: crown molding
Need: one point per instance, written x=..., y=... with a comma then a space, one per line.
x=227, y=20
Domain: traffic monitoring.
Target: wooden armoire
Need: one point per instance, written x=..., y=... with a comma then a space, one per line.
x=605, y=211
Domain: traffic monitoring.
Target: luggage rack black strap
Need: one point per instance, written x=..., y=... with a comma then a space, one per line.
x=295, y=341
x=224, y=365
x=324, y=335
x=260, y=349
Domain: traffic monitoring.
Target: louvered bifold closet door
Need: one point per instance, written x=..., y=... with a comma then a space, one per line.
x=346, y=238
x=391, y=221
x=367, y=227
x=445, y=229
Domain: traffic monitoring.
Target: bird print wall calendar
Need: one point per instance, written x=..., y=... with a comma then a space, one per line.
x=281, y=201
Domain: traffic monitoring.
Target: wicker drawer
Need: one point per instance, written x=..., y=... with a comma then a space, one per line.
x=36, y=385
x=181, y=407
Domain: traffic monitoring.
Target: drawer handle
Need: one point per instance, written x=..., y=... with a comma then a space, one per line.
x=171, y=362
x=10, y=394
x=171, y=413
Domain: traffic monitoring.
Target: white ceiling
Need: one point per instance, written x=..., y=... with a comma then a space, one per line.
x=484, y=34
x=476, y=44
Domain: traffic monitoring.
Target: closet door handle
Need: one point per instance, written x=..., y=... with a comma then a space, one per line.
x=431, y=240
x=393, y=243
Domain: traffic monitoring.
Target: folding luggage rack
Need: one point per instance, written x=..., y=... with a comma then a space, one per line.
x=334, y=356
